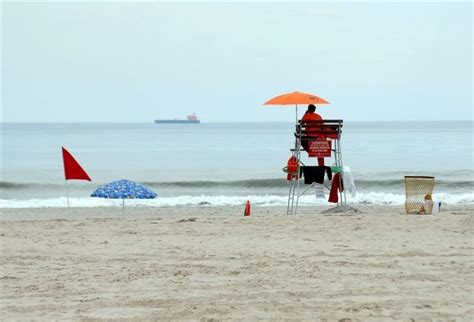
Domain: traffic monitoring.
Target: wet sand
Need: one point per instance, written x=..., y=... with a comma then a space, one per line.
x=212, y=263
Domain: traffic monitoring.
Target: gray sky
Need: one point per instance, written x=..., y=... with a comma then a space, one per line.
x=126, y=62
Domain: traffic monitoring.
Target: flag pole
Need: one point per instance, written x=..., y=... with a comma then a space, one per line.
x=67, y=194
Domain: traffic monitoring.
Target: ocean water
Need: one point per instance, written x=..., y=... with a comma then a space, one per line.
x=227, y=163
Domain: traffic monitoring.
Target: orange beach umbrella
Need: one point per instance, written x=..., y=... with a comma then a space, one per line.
x=296, y=98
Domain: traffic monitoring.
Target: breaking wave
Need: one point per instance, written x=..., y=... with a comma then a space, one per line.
x=371, y=198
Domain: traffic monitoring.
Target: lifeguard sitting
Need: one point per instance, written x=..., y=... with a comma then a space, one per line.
x=311, y=115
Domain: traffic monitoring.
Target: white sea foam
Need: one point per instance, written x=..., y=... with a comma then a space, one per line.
x=375, y=198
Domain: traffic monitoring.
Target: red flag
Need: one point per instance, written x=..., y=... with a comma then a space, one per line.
x=72, y=169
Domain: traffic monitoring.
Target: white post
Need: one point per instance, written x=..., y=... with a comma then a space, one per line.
x=67, y=195
x=296, y=118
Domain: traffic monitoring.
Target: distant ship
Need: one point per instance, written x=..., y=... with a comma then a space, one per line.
x=191, y=119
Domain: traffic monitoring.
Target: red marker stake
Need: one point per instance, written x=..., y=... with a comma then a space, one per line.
x=247, y=209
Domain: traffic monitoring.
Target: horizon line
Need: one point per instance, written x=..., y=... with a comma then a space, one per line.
x=215, y=122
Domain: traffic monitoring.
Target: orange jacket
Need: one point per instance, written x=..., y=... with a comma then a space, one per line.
x=311, y=117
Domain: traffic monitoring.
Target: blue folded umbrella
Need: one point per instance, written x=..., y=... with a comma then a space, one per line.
x=124, y=189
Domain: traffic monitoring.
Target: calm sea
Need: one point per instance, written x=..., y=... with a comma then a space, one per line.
x=227, y=163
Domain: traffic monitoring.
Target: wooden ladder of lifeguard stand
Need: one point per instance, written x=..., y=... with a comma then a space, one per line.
x=327, y=128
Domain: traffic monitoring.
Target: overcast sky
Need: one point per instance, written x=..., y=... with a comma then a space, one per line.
x=126, y=62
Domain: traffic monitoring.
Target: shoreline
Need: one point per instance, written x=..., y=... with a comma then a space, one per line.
x=150, y=212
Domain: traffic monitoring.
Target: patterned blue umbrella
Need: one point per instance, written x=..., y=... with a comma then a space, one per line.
x=124, y=189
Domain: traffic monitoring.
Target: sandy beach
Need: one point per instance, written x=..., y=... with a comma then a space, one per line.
x=135, y=133
x=208, y=263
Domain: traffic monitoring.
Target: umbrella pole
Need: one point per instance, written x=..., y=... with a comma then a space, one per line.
x=123, y=207
x=296, y=118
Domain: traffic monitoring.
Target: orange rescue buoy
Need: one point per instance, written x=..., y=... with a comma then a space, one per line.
x=292, y=168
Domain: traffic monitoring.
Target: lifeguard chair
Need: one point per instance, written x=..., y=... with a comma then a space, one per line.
x=320, y=139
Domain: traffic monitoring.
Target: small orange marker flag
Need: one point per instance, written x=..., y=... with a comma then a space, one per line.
x=247, y=209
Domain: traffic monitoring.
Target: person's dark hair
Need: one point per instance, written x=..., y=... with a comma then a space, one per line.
x=311, y=109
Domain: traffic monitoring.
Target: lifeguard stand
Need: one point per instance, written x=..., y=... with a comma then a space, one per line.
x=322, y=139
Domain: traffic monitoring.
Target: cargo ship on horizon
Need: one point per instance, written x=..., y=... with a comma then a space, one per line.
x=191, y=119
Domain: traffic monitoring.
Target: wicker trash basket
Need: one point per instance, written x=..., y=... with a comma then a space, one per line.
x=418, y=191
